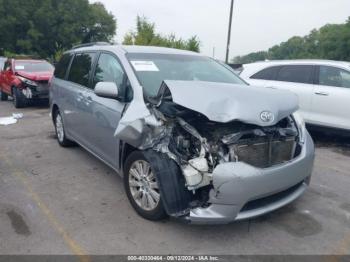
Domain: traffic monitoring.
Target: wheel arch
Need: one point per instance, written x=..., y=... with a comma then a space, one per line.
x=12, y=89
x=54, y=110
x=125, y=150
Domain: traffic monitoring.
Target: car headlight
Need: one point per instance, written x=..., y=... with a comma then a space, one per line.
x=27, y=81
x=299, y=120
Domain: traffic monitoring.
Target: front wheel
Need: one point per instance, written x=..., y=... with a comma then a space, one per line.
x=3, y=96
x=142, y=188
x=19, y=100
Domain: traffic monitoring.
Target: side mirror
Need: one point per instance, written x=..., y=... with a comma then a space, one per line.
x=106, y=89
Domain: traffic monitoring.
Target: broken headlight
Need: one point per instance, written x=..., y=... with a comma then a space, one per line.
x=299, y=120
x=27, y=81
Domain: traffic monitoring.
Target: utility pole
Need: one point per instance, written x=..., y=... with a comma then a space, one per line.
x=229, y=32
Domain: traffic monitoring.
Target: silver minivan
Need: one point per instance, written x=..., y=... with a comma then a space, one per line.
x=191, y=139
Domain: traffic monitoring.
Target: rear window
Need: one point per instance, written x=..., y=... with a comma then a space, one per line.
x=31, y=66
x=269, y=73
x=62, y=66
x=296, y=74
x=80, y=69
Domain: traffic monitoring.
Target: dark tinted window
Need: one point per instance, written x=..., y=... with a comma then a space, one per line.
x=267, y=74
x=332, y=76
x=62, y=66
x=108, y=69
x=81, y=68
x=296, y=74
x=7, y=65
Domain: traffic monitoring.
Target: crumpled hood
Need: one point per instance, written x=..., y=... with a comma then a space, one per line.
x=36, y=76
x=222, y=102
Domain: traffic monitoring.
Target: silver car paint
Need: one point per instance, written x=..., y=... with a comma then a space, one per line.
x=223, y=103
x=228, y=102
x=235, y=184
x=127, y=123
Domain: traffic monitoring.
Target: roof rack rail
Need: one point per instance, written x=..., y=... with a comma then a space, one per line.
x=90, y=44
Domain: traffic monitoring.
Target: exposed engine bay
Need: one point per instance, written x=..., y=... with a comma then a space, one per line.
x=198, y=145
x=199, y=152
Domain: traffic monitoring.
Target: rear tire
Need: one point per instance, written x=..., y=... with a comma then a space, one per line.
x=19, y=100
x=141, y=187
x=60, y=132
x=3, y=96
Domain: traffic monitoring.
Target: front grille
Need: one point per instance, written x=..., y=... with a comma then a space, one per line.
x=264, y=152
x=42, y=87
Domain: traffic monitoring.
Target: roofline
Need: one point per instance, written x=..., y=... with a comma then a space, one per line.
x=31, y=60
x=300, y=60
x=124, y=48
x=91, y=44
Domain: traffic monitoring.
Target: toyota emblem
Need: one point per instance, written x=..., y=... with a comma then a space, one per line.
x=267, y=116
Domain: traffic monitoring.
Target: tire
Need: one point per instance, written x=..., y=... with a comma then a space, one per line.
x=19, y=100
x=60, y=132
x=142, y=188
x=3, y=96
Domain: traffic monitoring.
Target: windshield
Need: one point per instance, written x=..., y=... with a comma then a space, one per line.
x=30, y=66
x=153, y=69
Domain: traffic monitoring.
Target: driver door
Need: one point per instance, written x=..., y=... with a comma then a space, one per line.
x=105, y=113
x=7, y=77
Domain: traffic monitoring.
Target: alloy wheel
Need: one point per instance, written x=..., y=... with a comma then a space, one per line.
x=59, y=128
x=143, y=185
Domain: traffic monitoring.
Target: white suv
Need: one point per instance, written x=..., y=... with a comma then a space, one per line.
x=323, y=87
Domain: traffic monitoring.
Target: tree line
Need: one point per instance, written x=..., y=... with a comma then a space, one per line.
x=145, y=34
x=46, y=28
x=331, y=41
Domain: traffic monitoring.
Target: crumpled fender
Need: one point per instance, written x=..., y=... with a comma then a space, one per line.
x=132, y=126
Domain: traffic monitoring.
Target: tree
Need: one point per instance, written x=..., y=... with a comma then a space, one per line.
x=46, y=27
x=146, y=35
x=331, y=41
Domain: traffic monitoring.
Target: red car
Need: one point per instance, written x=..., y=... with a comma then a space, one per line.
x=25, y=80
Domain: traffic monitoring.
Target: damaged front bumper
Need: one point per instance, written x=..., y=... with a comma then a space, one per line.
x=41, y=91
x=242, y=191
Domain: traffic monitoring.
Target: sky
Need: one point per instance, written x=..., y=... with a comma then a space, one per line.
x=257, y=24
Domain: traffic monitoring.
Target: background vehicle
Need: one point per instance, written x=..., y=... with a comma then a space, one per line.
x=191, y=139
x=323, y=87
x=25, y=80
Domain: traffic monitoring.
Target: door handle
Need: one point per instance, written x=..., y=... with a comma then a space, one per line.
x=322, y=93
